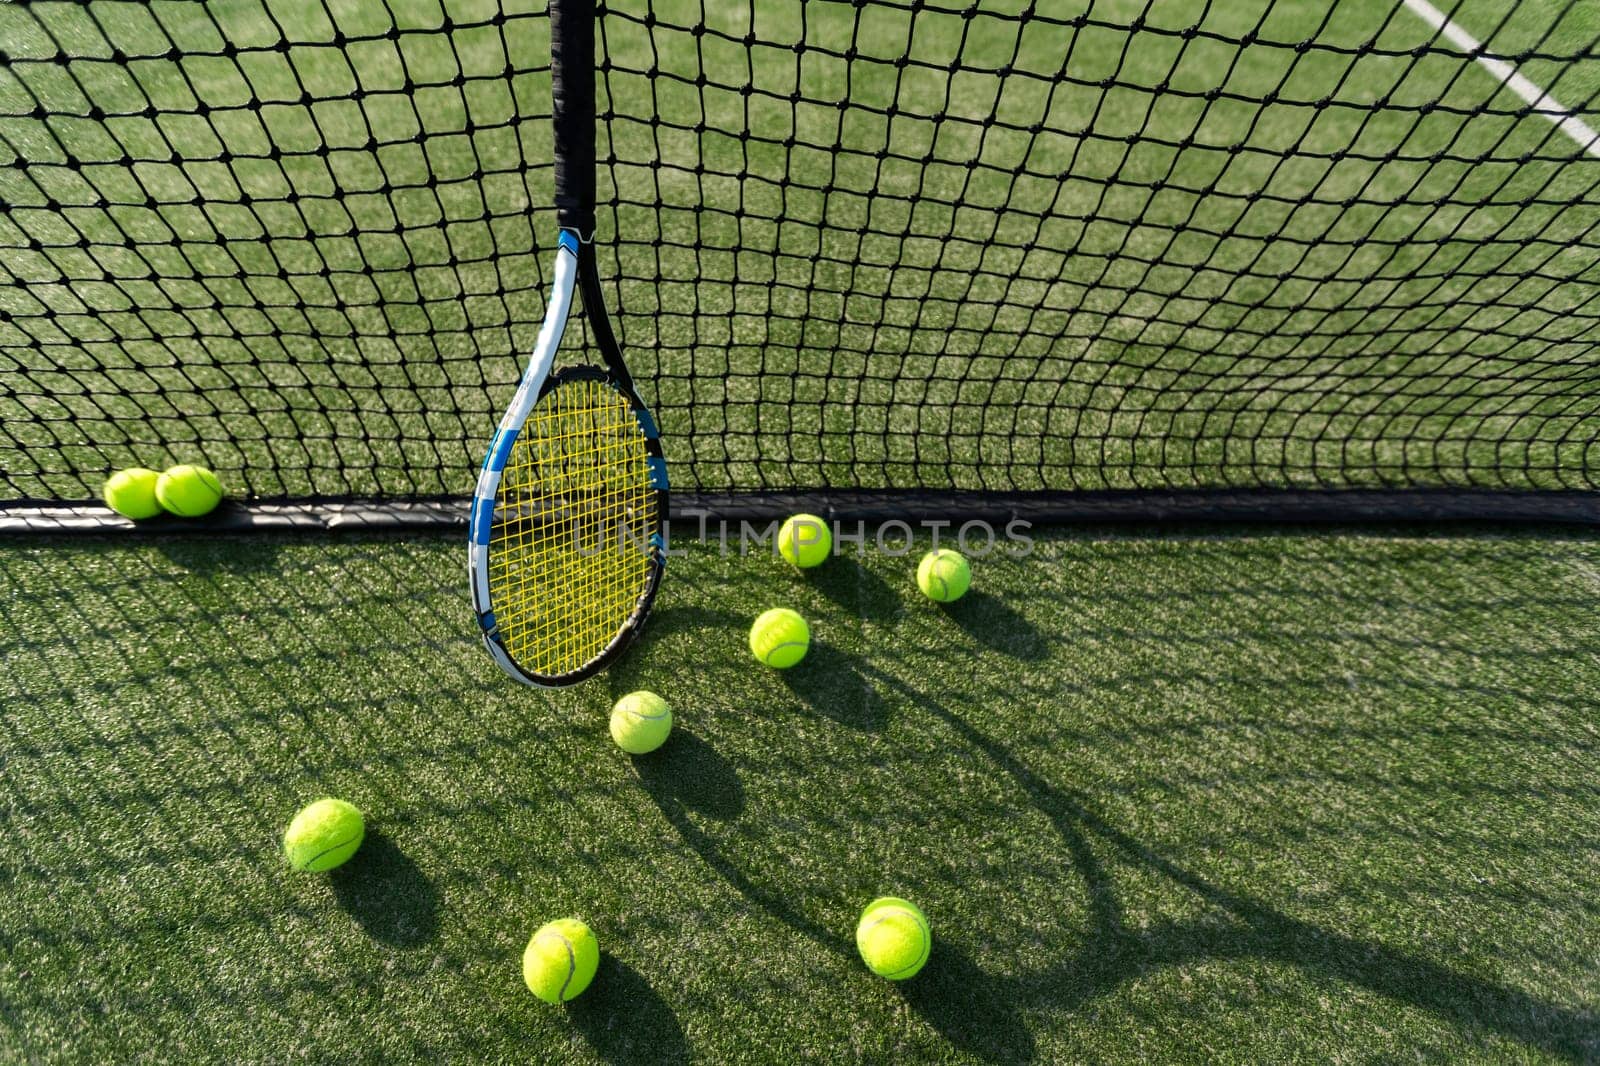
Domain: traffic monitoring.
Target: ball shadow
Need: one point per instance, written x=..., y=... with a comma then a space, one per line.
x=687, y=772
x=855, y=588
x=387, y=894
x=829, y=683
x=993, y=623
x=625, y=1020
x=973, y=1011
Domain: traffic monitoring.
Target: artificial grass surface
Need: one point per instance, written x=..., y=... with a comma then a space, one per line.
x=1233, y=798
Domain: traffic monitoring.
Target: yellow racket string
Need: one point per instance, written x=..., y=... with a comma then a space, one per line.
x=569, y=545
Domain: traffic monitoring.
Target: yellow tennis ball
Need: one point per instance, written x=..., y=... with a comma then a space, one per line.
x=780, y=638
x=132, y=493
x=805, y=541
x=560, y=960
x=944, y=575
x=894, y=938
x=324, y=835
x=188, y=490
x=640, y=722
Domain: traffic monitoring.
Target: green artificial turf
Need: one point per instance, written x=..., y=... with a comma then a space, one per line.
x=1234, y=798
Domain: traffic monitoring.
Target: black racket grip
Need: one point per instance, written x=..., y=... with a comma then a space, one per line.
x=572, y=93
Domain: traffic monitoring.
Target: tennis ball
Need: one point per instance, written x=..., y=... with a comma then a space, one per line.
x=804, y=540
x=132, y=493
x=640, y=722
x=893, y=938
x=780, y=638
x=944, y=575
x=187, y=490
x=323, y=835
x=560, y=960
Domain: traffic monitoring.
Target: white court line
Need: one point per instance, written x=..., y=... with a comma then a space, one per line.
x=1542, y=102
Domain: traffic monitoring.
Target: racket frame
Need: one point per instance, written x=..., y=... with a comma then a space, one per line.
x=575, y=270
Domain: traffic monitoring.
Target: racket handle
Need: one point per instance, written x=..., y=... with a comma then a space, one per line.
x=572, y=90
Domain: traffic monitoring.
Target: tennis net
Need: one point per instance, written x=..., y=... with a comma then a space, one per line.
x=903, y=246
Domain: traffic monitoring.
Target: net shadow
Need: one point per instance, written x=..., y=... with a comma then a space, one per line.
x=1354, y=763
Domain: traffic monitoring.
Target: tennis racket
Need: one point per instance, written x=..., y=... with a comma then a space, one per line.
x=566, y=544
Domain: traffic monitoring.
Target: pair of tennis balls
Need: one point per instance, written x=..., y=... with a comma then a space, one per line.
x=780, y=638
x=560, y=960
x=893, y=937
x=187, y=490
x=805, y=541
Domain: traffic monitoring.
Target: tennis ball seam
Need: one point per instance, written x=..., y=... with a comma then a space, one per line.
x=814, y=551
x=193, y=472
x=779, y=647
x=135, y=479
x=331, y=849
x=922, y=926
x=572, y=964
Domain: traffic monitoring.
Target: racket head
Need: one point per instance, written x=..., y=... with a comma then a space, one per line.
x=576, y=541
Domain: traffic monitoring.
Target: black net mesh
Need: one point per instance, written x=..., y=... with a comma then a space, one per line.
x=848, y=245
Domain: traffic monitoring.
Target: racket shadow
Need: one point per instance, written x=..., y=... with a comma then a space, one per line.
x=687, y=774
x=1242, y=927
x=642, y=666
